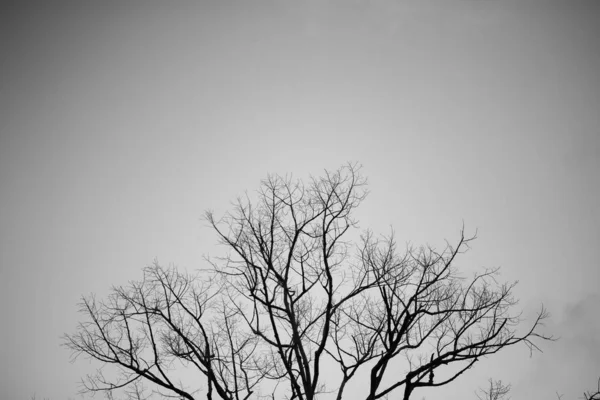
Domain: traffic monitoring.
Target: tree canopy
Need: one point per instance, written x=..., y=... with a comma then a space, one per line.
x=296, y=308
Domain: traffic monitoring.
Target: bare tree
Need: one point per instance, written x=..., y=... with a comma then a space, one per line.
x=496, y=390
x=295, y=293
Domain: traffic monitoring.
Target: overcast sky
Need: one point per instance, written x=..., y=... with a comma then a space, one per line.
x=121, y=122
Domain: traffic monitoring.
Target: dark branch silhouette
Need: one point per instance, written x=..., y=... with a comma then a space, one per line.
x=296, y=291
x=593, y=395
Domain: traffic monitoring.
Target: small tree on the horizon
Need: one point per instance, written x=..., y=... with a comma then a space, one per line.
x=496, y=390
x=295, y=299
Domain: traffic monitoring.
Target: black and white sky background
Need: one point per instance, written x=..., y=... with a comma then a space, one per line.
x=122, y=121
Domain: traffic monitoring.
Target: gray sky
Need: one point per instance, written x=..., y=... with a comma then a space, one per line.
x=121, y=122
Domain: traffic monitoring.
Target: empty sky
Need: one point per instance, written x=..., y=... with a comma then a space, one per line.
x=121, y=122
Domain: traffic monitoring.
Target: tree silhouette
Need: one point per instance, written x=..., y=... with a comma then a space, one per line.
x=298, y=307
x=496, y=390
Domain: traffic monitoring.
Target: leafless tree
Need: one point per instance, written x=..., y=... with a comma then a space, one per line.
x=295, y=292
x=496, y=390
